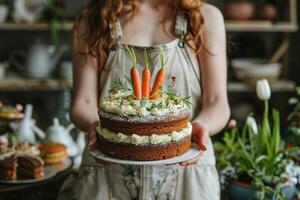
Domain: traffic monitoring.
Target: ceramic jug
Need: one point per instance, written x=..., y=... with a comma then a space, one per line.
x=39, y=61
x=26, y=130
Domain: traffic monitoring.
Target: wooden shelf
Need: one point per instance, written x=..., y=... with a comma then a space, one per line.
x=12, y=84
x=259, y=26
x=39, y=26
x=25, y=84
x=288, y=25
x=279, y=86
x=263, y=26
x=291, y=25
x=231, y=26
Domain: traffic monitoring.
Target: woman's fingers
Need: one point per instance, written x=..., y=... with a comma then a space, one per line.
x=190, y=162
x=202, y=139
x=92, y=143
x=199, y=136
x=92, y=135
x=232, y=123
x=92, y=140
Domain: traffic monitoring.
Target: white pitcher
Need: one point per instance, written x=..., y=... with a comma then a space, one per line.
x=39, y=61
x=26, y=130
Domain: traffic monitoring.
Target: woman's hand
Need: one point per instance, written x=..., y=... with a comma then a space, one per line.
x=92, y=143
x=92, y=135
x=200, y=135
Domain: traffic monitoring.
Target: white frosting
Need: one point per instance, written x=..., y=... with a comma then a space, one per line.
x=121, y=103
x=156, y=139
x=128, y=109
x=136, y=139
x=144, y=139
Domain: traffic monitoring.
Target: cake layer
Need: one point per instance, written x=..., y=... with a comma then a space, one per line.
x=28, y=173
x=147, y=125
x=145, y=152
x=29, y=162
x=8, y=174
x=8, y=168
x=144, y=139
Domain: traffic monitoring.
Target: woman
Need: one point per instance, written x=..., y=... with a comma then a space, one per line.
x=192, y=35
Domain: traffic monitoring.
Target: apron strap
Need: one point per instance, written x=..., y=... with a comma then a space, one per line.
x=116, y=33
x=181, y=27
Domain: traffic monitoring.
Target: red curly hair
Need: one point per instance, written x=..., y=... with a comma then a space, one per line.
x=98, y=15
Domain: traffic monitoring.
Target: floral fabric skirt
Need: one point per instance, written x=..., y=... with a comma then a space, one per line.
x=130, y=182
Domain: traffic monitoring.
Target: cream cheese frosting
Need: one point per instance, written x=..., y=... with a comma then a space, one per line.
x=123, y=103
x=144, y=139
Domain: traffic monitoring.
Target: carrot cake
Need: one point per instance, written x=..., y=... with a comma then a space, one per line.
x=143, y=129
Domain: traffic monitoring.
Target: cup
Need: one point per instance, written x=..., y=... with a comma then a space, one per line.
x=65, y=70
x=3, y=67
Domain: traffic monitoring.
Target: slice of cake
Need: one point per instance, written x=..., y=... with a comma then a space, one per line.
x=8, y=161
x=20, y=161
x=143, y=129
x=8, y=165
x=30, y=167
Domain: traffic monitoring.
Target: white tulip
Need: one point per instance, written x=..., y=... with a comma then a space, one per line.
x=263, y=89
x=252, y=124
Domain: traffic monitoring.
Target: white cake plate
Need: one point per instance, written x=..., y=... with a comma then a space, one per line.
x=191, y=153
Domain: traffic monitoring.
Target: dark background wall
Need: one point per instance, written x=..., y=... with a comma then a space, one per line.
x=246, y=44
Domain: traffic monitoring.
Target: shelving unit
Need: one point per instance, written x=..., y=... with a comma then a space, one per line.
x=291, y=25
x=232, y=26
x=284, y=27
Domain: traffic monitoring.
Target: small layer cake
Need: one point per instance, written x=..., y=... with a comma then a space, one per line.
x=144, y=129
x=54, y=153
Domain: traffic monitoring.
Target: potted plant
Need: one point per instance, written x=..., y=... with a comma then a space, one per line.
x=293, y=131
x=294, y=120
x=253, y=160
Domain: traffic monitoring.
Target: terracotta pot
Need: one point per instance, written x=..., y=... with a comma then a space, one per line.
x=238, y=190
x=239, y=10
x=268, y=11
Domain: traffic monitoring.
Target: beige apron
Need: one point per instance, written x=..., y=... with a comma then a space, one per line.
x=129, y=182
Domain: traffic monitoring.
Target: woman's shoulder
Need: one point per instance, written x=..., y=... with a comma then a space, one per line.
x=212, y=16
x=213, y=28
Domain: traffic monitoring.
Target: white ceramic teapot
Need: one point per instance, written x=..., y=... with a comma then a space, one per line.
x=39, y=61
x=60, y=134
x=26, y=130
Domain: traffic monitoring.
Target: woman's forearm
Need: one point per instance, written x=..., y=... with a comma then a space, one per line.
x=214, y=116
x=83, y=115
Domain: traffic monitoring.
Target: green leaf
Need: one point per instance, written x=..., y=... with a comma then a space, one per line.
x=247, y=155
x=260, y=159
x=276, y=139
